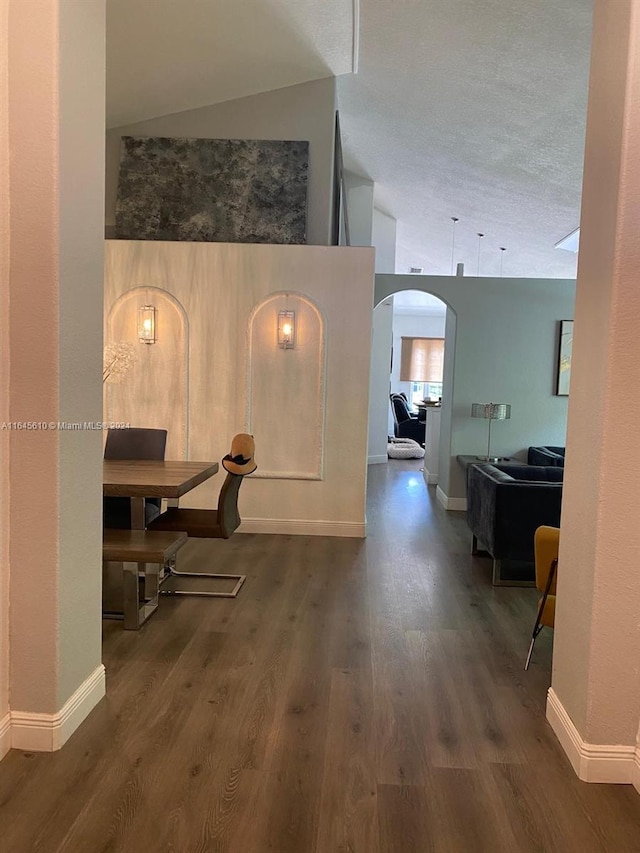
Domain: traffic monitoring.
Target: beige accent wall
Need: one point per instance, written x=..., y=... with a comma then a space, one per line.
x=34, y=370
x=5, y=245
x=158, y=380
x=220, y=287
x=597, y=636
x=305, y=112
x=54, y=295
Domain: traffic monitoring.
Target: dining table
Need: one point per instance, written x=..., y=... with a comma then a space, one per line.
x=139, y=479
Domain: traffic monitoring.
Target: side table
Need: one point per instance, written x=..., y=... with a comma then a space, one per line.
x=466, y=461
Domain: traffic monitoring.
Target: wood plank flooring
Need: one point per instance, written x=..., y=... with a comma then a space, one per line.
x=357, y=697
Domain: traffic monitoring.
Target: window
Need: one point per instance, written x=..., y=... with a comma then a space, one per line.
x=422, y=360
x=421, y=391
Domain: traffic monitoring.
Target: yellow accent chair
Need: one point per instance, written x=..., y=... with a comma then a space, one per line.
x=545, y=542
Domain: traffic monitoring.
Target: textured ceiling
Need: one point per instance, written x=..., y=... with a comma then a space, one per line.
x=476, y=110
x=467, y=108
x=166, y=56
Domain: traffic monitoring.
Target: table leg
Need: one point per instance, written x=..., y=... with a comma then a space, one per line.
x=137, y=514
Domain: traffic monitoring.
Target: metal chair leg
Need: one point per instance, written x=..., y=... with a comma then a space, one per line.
x=531, y=645
x=170, y=573
x=538, y=627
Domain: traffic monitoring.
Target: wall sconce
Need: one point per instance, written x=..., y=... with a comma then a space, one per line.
x=147, y=324
x=286, y=329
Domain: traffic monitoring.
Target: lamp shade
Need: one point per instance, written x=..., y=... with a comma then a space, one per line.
x=493, y=411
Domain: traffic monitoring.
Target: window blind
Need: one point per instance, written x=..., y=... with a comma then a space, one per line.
x=422, y=360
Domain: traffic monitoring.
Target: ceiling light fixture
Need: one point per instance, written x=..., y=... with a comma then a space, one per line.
x=480, y=236
x=454, y=219
x=571, y=242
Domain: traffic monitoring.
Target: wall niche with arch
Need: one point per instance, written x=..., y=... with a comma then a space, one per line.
x=154, y=390
x=286, y=389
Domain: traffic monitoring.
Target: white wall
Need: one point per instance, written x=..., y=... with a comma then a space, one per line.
x=219, y=285
x=383, y=237
x=54, y=525
x=505, y=351
x=379, y=384
x=409, y=325
x=303, y=112
x=359, y=202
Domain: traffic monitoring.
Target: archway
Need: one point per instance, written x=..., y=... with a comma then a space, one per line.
x=413, y=312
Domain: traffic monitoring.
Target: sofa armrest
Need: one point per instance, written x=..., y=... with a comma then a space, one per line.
x=520, y=508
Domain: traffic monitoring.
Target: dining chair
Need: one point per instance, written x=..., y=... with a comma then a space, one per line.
x=132, y=443
x=219, y=523
x=545, y=542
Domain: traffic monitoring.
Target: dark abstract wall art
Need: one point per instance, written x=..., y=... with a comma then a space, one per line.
x=215, y=190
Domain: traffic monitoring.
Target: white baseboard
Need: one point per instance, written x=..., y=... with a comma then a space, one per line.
x=455, y=504
x=377, y=460
x=48, y=732
x=429, y=478
x=5, y=735
x=617, y=764
x=301, y=527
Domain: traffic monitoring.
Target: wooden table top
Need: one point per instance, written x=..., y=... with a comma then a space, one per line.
x=133, y=478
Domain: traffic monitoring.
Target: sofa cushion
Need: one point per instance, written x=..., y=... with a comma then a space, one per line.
x=546, y=455
x=536, y=473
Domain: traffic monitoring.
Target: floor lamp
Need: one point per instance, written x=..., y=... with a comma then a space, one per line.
x=491, y=412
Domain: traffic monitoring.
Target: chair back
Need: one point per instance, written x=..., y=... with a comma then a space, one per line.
x=136, y=443
x=400, y=409
x=228, y=514
x=546, y=541
x=132, y=443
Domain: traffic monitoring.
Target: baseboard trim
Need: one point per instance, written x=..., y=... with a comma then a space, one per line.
x=49, y=732
x=617, y=764
x=429, y=478
x=5, y=735
x=454, y=504
x=636, y=770
x=300, y=527
x=377, y=460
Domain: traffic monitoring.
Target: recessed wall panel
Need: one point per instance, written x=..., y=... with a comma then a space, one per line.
x=286, y=389
x=153, y=390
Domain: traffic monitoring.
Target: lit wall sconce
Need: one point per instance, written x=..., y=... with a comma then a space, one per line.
x=147, y=324
x=286, y=329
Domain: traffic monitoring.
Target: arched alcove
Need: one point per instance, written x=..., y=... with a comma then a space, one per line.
x=286, y=389
x=154, y=390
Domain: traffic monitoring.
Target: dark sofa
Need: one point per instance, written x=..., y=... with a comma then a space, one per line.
x=505, y=506
x=546, y=455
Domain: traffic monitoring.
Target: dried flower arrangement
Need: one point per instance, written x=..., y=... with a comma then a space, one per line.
x=118, y=358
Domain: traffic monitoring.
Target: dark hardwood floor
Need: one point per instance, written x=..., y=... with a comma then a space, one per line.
x=357, y=697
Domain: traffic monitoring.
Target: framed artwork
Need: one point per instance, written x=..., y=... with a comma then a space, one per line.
x=565, y=345
x=215, y=190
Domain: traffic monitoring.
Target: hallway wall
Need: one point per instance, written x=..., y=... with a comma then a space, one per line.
x=505, y=351
x=310, y=427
